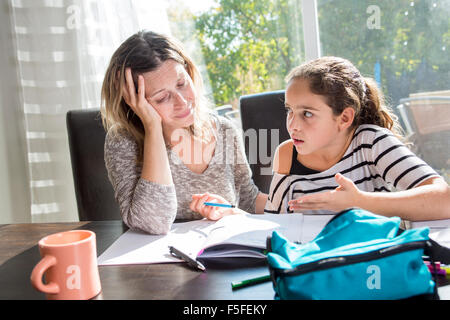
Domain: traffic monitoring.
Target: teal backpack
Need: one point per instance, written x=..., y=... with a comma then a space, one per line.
x=358, y=255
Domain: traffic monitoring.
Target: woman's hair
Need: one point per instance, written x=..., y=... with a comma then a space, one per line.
x=143, y=52
x=342, y=85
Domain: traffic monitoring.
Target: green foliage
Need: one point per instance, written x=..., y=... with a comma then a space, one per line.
x=250, y=46
x=411, y=43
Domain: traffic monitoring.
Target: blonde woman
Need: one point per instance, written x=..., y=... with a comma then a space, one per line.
x=165, y=153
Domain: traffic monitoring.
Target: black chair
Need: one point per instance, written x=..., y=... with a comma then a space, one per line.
x=93, y=190
x=263, y=111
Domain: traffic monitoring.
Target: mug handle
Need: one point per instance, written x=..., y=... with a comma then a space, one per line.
x=37, y=273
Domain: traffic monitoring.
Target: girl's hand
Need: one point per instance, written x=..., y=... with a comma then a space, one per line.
x=346, y=195
x=210, y=212
x=137, y=101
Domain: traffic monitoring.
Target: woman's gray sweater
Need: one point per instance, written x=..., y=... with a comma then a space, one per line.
x=152, y=207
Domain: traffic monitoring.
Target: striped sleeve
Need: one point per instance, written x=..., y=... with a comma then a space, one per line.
x=396, y=164
x=277, y=201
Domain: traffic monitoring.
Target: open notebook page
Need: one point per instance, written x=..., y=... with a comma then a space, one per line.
x=134, y=247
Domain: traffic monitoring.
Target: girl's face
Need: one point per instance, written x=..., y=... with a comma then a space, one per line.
x=170, y=90
x=310, y=121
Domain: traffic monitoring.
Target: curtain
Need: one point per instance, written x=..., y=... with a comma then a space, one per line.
x=62, y=49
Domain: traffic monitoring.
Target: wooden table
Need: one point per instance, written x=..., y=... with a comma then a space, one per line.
x=19, y=254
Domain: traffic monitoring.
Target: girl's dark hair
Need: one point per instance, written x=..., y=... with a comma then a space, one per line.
x=342, y=85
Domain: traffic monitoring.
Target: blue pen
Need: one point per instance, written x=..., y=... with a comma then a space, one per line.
x=223, y=205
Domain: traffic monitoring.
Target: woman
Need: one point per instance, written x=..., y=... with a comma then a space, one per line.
x=163, y=148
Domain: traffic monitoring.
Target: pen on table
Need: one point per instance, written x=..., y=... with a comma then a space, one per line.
x=249, y=282
x=223, y=205
x=191, y=262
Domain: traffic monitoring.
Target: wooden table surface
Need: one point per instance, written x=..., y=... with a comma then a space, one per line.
x=19, y=253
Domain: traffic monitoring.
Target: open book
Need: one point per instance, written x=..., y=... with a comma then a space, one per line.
x=245, y=236
x=231, y=236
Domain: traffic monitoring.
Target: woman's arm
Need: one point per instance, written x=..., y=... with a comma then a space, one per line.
x=155, y=162
x=144, y=205
x=156, y=166
x=146, y=196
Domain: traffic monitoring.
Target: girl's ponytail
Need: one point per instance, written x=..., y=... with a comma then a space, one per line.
x=374, y=110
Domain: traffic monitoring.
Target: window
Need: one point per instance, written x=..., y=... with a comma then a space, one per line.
x=246, y=46
x=405, y=46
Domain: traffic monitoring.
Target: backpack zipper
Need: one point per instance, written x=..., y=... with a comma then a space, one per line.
x=339, y=261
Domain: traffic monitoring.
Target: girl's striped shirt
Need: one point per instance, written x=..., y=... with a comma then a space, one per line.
x=376, y=161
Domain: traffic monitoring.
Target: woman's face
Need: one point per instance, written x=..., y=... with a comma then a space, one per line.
x=170, y=90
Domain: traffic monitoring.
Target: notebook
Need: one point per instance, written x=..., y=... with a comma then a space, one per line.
x=235, y=236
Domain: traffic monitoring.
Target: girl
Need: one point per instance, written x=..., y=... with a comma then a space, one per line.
x=163, y=149
x=346, y=151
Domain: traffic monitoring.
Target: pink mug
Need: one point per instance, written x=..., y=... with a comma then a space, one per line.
x=69, y=262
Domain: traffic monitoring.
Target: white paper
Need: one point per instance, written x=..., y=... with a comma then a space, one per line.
x=313, y=224
x=442, y=237
x=239, y=236
x=434, y=225
x=253, y=230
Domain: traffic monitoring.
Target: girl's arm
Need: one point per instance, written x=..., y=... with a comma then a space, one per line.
x=429, y=200
x=416, y=197
x=261, y=200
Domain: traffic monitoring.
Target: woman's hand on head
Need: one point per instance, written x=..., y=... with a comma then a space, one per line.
x=211, y=212
x=137, y=101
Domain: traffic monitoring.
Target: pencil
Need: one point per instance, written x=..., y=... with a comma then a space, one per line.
x=249, y=282
x=223, y=205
